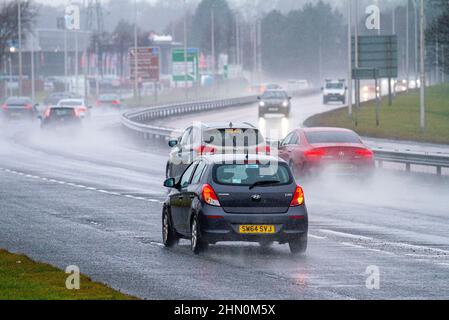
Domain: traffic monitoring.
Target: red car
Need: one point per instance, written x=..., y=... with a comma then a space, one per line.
x=313, y=150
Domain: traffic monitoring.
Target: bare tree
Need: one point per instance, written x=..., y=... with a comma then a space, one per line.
x=9, y=22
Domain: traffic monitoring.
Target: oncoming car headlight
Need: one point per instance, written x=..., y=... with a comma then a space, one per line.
x=285, y=104
x=262, y=104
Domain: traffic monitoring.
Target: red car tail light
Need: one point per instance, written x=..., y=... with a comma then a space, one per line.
x=204, y=150
x=5, y=107
x=365, y=153
x=298, y=197
x=315, y=154
x=264, y=149
x=28, y=106
x=115, y=102
x=209, y=196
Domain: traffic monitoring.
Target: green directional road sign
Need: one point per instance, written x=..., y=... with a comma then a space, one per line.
x=179, y=68
x=365, y=73
x=377, y=52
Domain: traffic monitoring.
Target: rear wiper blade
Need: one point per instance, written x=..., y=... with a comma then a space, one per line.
x=264, y=183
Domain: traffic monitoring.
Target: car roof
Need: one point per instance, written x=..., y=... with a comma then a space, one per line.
x=327, y=129
x=230, y=158
x=71, y=100
x=19, y=98
x=228, y=125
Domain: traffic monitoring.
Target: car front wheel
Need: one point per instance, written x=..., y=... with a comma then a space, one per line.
x=298, y=246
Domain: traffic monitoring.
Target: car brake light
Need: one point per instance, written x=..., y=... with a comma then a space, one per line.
x=28, y=106
x=264, y=149
x=298, y=197
x=5, y=107
x=204, y=150
x=366, y=153
x=209, y=196
x=115, y=102
x=315, y=153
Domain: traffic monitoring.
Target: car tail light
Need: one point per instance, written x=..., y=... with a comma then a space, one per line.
x=298, y=197
x=28, y=106
x=205, y=150
x=115, y=102
x=264, y=149
x=79, y=111
x=314, y=154
x=365, y=153
x=5, y=107
x=209, y=196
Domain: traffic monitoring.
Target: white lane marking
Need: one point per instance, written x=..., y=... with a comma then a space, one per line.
x=344, y=234
x=316, y=237
x=80, y=186
x=432, y=252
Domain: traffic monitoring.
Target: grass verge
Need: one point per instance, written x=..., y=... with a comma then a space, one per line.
x=24, y=279
x=400, y=121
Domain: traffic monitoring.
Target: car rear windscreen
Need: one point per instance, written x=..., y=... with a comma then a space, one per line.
x=17, y=101
x=248, y=174
x=72, y=103
x=234, y=137
x=108, y=98
x=332, y=137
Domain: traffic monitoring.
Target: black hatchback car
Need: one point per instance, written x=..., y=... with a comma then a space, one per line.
x=235, y=198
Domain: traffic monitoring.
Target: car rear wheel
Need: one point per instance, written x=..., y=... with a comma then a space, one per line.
x=197, y=245
x=298, y=246
x=169, y=236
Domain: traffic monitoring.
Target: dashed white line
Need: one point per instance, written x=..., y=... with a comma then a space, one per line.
x=80, y=186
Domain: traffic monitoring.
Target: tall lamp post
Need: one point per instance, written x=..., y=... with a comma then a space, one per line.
x=19, y=20
x=422, y=68
x=186, y=68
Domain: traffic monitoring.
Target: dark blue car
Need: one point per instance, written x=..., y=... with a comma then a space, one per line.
x=235, y=198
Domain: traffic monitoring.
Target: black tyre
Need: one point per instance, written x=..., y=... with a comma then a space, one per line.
x=169, y=236
x=197, y=245
x=298, y=246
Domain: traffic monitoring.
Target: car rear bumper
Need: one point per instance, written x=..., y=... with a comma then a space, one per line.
x=355, y=169
x=217, y=225
x=18, y=114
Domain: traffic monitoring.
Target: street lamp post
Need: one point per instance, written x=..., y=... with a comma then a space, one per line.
x=422, y=68
x=19, y=20
x=186, y=68
x=136, y=56
x=350, y=57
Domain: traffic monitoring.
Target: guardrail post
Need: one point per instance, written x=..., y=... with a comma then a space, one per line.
x=439, y=171
x=408, y=167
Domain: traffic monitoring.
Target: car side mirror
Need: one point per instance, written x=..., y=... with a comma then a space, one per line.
x=289, y=98
x=173, y=143
x=322, y=88
x=170, y=183
x=258, y=98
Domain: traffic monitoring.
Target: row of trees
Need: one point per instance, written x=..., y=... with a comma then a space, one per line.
x=306, y=43
x=9, y=32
